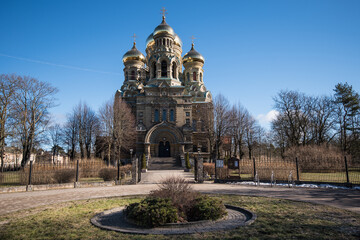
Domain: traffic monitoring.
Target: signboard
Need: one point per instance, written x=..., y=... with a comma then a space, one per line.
x=219, y=163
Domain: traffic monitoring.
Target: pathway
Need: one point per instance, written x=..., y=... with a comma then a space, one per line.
x=345, y=199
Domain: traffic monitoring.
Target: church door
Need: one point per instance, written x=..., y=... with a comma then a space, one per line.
x=164, y=149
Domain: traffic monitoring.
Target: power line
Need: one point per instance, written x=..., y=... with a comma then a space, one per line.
x=59, y=65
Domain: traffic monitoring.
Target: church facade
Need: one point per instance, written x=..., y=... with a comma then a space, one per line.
x=167, y=95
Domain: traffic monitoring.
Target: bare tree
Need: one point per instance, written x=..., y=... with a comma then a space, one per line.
x=56, y=137
x=31, y=105
x=221, y=120
x=87, y=128
x=70, y=134
x=8, y=88
x=124, y=126
x=106, y=117
x=239, y=117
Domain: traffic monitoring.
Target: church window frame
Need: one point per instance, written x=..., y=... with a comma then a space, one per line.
x=201, y=77
x=126, y=76
x=187, y=121
x=172, y=115
x=132, y=75
x=188, y=114
x=164, y=65
x=194, y=127
x=163, y=41
x=167, y=42
x=188, y=76
x=174, y=73
x=164, y=115
x=194, y=76
x=156, y=115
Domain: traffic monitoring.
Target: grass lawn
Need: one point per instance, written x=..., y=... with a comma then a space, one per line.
x=277, y=219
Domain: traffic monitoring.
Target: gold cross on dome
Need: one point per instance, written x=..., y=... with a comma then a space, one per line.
x=163, y=12
x=134, y=36
x=192, y=39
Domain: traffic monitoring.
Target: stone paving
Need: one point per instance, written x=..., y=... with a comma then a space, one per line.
x=115, y=220
x=345, y=199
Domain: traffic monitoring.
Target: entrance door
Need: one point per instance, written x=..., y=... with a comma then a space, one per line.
x=164, y=149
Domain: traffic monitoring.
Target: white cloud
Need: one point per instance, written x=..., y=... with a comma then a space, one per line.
x=265, y=119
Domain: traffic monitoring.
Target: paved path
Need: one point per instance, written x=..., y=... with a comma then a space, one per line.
x=156, y=176
x=346, y=199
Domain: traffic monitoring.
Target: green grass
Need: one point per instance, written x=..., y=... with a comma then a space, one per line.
x=277, y=219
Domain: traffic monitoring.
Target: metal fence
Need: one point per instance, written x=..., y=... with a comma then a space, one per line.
x=319, y=170
x=76, y=171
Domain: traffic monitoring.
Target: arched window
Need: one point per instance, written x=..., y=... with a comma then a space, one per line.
x=194, y=125
x=156, y=115
x=164, y=41
x=174, y=70
x=172, y=115
x=164, y=115
x=154, y=69
x=126, y=76
x=188, y=76
x=132, y=75
x=201, y=77
x=194, y=76
x=167, y=42
x=163, y=69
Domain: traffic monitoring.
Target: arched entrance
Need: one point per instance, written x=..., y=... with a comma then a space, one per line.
x=164, y=149
x=164, y=140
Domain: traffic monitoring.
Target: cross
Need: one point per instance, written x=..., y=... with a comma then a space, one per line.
x=163, y=12
x=134, y=36
x=192, y=39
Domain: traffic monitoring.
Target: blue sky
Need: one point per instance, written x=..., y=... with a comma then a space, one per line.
x=252, y=49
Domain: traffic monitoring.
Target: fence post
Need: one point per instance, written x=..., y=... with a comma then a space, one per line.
x=254, y=167
x=347, y=171
x=77, y=170
x=29, y=187
x=297, y=169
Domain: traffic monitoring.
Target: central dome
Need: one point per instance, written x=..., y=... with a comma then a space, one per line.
x=163, y=28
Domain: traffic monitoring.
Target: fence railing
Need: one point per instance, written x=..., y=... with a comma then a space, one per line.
x=329, y=170
x=76, y=171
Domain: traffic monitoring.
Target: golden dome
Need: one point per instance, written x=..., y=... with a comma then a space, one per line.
x=177, y=40
x=193, y=56
x=163, y=28
x=150, y=40
x=133, y=54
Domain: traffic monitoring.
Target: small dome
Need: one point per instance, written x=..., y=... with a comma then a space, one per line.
x=163, y=28
x=193, y=56
x=150, y=40
x=177, y=40
x=133, y=54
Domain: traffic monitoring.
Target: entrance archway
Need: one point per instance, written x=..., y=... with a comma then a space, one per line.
x=164, y=149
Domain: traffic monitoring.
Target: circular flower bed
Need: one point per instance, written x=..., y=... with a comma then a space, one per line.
x=174, y=202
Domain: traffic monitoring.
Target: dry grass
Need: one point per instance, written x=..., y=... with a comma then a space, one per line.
x=276, y=219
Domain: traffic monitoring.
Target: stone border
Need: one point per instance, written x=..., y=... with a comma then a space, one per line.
x=115, y=220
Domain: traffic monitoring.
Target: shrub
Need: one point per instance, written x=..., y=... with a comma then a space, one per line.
x=64, y=175
x=187, y=161
x=179, y=191
x=143, y=161
x=108, y=174
x=206, y=208
x=209, y=168
x=152, y=212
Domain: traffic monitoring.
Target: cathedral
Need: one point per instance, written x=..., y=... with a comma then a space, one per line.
x=167, y=94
